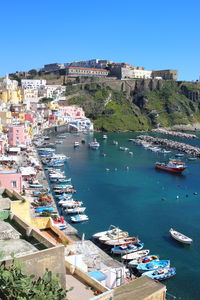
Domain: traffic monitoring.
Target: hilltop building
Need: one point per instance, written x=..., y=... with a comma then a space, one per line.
x=165, y=74
x=89, y=72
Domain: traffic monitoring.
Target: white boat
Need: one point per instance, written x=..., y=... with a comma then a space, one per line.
x=79, y=218
x=135, y=255
x=112, y=229
x=72, y=203
x=180, y=237
x=94, y=144
x=76, y=144
x=113, y=236
x=105, y=137
x=75, y=210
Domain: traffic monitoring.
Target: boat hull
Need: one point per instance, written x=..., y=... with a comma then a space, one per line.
x=168, y=169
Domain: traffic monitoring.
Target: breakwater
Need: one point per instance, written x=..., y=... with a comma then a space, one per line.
x=182, y=147
x=175, y=133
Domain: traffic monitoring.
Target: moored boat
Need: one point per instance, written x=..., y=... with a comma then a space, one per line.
x=113, y=236
x=111, y=231
x=117, y=242
x=94, y=145
x=79, y=218
x=172, y=166
x=180, y=237
x=153, y=265
x=135, y=262
x=105, y=137
x=76, y=144
x=161, y=273
x=136, y=255
x=127, y=248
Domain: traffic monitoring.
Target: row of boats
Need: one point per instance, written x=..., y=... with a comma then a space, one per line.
x=138, y=260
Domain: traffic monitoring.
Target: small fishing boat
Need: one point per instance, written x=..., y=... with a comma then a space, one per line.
x=79, y=218
x=46, y=138
x=135, y=255
x=179, y=154
x=60, y=226
x=112, y=230
x=115, y=142
x=127, y=248
x=75, y=210
x=141, y=260
x=105, y=137
x=192, y=158
x=164, y=151
x=36, y=186
x=58, y=142
x=161, y=273
x=123, y=148
x=180, y=237
x=113, y=236
x=153, y=265
x=76, y=144
x=172, y=166
x=122, y=241
x=72, y=203
x=94, y=145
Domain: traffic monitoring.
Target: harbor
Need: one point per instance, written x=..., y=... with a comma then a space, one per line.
x=110, y=189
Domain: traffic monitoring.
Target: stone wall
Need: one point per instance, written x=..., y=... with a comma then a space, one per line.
x=51, y=259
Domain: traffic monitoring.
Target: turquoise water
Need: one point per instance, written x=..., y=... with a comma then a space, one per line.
x=133, y=200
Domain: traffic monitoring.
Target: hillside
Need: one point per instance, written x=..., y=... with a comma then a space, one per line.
x=113, y=110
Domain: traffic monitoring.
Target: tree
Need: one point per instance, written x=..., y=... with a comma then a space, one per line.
x=46, y=100
x=15, y=285
x=33, y=72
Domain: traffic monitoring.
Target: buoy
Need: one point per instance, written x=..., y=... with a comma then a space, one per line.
x=115, y=169
x=127, y=168
x=186, y=195
x=107, y=169
x=177, y=197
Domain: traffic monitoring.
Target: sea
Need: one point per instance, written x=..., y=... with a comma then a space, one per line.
x=123, y=189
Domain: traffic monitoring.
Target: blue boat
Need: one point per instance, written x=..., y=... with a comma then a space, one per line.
x=79, y=218
x=153, y=265
x=127, y=248
x=44, y=208
x=36, y=186
x=161, y=273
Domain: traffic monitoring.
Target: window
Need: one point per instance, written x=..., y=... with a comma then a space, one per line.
x=14, y=184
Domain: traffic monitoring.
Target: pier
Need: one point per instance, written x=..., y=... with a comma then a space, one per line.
x=175, y=133
x=182, y=147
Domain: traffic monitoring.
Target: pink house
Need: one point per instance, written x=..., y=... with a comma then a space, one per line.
x=2, y=146
x=72, y=111
x=17, y=135
x=11, y=179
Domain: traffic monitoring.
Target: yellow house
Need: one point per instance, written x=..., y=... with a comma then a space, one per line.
x=6, y=117
x=11, y=95
x=53, y=106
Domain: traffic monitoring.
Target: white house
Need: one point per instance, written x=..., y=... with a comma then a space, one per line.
x=32, y=83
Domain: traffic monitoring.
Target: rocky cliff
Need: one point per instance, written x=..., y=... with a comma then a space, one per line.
x=137, y=104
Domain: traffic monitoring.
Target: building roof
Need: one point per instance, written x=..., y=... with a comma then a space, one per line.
x=93, y=69
x=139, y=289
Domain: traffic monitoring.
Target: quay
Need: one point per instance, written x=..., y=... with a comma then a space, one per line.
x=183, y=147
x=175, y=133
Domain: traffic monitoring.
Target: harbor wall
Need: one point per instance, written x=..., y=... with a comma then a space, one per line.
x=56, y=129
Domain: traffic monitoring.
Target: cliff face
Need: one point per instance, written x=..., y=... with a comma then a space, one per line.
x=137, y=104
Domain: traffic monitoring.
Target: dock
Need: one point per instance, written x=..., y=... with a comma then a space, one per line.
x=174, y=133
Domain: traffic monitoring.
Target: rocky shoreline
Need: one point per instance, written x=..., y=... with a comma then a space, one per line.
x=182, y=147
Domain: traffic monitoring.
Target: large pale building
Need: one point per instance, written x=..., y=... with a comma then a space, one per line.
x=32, y=83
x=86, y=72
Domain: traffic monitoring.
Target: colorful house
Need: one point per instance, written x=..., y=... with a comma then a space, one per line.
x=17, y=135
x=11, y=179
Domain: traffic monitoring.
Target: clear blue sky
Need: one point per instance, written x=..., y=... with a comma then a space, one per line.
x=153, y=34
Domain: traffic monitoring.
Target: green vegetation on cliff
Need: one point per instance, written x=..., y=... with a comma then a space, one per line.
x=113, y=110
